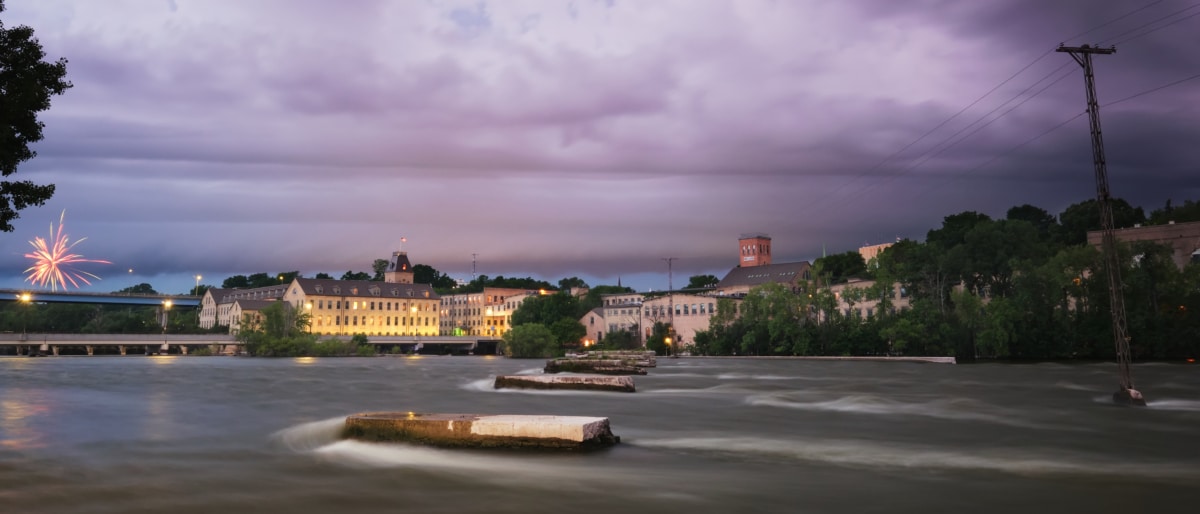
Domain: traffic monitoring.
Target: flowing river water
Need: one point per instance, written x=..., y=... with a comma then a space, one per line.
x=227, y=435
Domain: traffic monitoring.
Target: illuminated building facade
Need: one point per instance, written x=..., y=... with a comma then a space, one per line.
x=486, y=313
x=347, y=307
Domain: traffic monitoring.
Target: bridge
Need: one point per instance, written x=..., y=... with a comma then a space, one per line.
x=16, y=295
x=32, y=344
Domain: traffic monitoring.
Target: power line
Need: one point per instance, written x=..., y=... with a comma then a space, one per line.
x=1069, y=120
x=950, y=140
x=1131, y=38
x=939, y=125
x=1148, y=91
x=1112, y=21
x=1151, y=22
x=934, y=151
x=993, y=120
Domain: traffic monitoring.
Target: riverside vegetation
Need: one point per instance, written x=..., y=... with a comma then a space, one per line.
x=1023, y=287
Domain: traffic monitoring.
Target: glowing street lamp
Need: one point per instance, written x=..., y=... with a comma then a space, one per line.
x=196, y=291
x=308, y=310
x=166, y=306
x=25, y=299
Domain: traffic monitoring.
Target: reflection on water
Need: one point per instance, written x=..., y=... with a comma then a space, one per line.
x=19, y=411
x=210, y=434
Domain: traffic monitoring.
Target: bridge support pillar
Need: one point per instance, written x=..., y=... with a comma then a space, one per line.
x=183, y=349
x=55, y=350
x=45, y=348
x=91, y=350
x=164, y=349
x=121, y=348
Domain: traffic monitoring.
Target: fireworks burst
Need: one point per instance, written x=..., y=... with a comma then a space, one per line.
x=52, y=260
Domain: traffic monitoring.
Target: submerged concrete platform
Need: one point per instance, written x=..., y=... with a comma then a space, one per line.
x=621, y=384
x=482, y=431
x=641, y=359
x=596, y=366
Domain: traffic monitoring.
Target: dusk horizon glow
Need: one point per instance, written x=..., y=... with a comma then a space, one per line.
x=585, y=138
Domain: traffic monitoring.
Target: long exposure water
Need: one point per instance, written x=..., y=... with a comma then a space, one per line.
x=229, y=435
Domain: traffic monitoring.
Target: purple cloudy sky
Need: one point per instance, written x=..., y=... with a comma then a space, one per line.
x=588, y=138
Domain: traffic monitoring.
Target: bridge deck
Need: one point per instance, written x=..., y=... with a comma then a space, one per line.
x=105, y=298
x=10, y=339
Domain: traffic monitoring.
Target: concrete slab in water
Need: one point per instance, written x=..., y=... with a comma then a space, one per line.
x=622, y=384
x=482, y=431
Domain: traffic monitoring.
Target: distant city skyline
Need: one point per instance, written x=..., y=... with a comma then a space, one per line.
x=585, y=138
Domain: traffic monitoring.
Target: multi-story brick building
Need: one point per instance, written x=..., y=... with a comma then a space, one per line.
x=395, y=306
x=216, y=304
x=486, y=313
x=1183, y=238
x=344, y=307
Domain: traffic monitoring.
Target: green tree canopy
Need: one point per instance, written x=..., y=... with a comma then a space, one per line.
x=26, y=85
x=842, y=266
x=1041, y=220
x=547, y=309
x=530, y=340
x=355, y=275
x=426, y=274
x=1189, y=211
x=702, y=281
x=954, y=229
x=379, y=267
x=483, y=281
x=142, y=288
x=1084, y=216
x=567, y=283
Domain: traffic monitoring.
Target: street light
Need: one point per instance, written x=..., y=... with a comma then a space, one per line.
x=196, y=291
x=166, y=310
x=308, y=310
x=25, y=299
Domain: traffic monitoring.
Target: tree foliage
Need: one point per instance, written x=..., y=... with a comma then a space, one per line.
x=379, y=267
x=530, y=340
x=426, y=274
x=142, y=288
x=261, y=279
x=567, y=284
x=355, y=275
x=702, y=281
x=842, y=266
x=1188, y=212
x=1078, y=219
x=483, y=281
x=278, y=330
x=26, y=84
x=1011, y=288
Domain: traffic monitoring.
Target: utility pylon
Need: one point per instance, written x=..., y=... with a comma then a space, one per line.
x=1112, y=261
x=670, y=300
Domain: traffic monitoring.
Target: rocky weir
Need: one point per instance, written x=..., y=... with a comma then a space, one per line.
x=482, y=430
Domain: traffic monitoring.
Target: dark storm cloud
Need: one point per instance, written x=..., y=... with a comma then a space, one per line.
x=585, y=139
